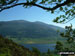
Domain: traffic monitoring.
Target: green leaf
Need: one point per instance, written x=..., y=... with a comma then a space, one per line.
x=35, y=1
x=67, y=12
x=3, y=2
x=66, y=8
x=69, y=4
x=61, y=8
x=62, y=34
x=54, y=0
x=52, y=11
x=42, y=2
x=74, y=7
x=59, y=0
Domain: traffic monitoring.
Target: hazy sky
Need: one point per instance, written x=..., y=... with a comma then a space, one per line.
x=30, y=14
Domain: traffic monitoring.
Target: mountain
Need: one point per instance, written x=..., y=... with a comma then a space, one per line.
x=25, y=29
x=22, y=28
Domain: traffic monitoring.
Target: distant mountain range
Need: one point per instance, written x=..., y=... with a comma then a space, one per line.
x=22, y=28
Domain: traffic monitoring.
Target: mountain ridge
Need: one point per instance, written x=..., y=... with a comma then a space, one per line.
x=23, y=26
x=32, y=32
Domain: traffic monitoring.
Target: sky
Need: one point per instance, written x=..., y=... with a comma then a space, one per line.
x=31, y=14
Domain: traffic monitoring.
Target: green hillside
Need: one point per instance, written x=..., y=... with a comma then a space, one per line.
x=23, y=31
x=9, y=48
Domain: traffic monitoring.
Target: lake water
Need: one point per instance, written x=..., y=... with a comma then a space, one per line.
x=41, y=47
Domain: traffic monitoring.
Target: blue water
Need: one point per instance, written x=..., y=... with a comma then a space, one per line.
x=41, y=47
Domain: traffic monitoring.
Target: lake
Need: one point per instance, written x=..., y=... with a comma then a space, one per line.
x=41, y=47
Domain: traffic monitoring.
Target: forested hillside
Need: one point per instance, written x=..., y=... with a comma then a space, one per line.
x=26, y=29
x=22, y=31
x=9, y=48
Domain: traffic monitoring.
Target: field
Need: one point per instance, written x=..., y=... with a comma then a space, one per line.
x=35, y=40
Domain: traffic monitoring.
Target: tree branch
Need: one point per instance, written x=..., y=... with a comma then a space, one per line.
x=45, y=8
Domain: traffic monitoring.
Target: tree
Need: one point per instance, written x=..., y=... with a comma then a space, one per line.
x=69, y=35
x=65, y=6
x=49, y=53
x=36, y=51
x=59, y=46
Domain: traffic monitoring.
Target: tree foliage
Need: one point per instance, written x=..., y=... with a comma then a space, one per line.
x=65, y=6
x=59, y=46
x=9, y=48
x=69, y=34
x=36, y=51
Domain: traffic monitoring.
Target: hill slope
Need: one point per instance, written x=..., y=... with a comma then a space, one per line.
x=9, y=48
x=21, y=29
